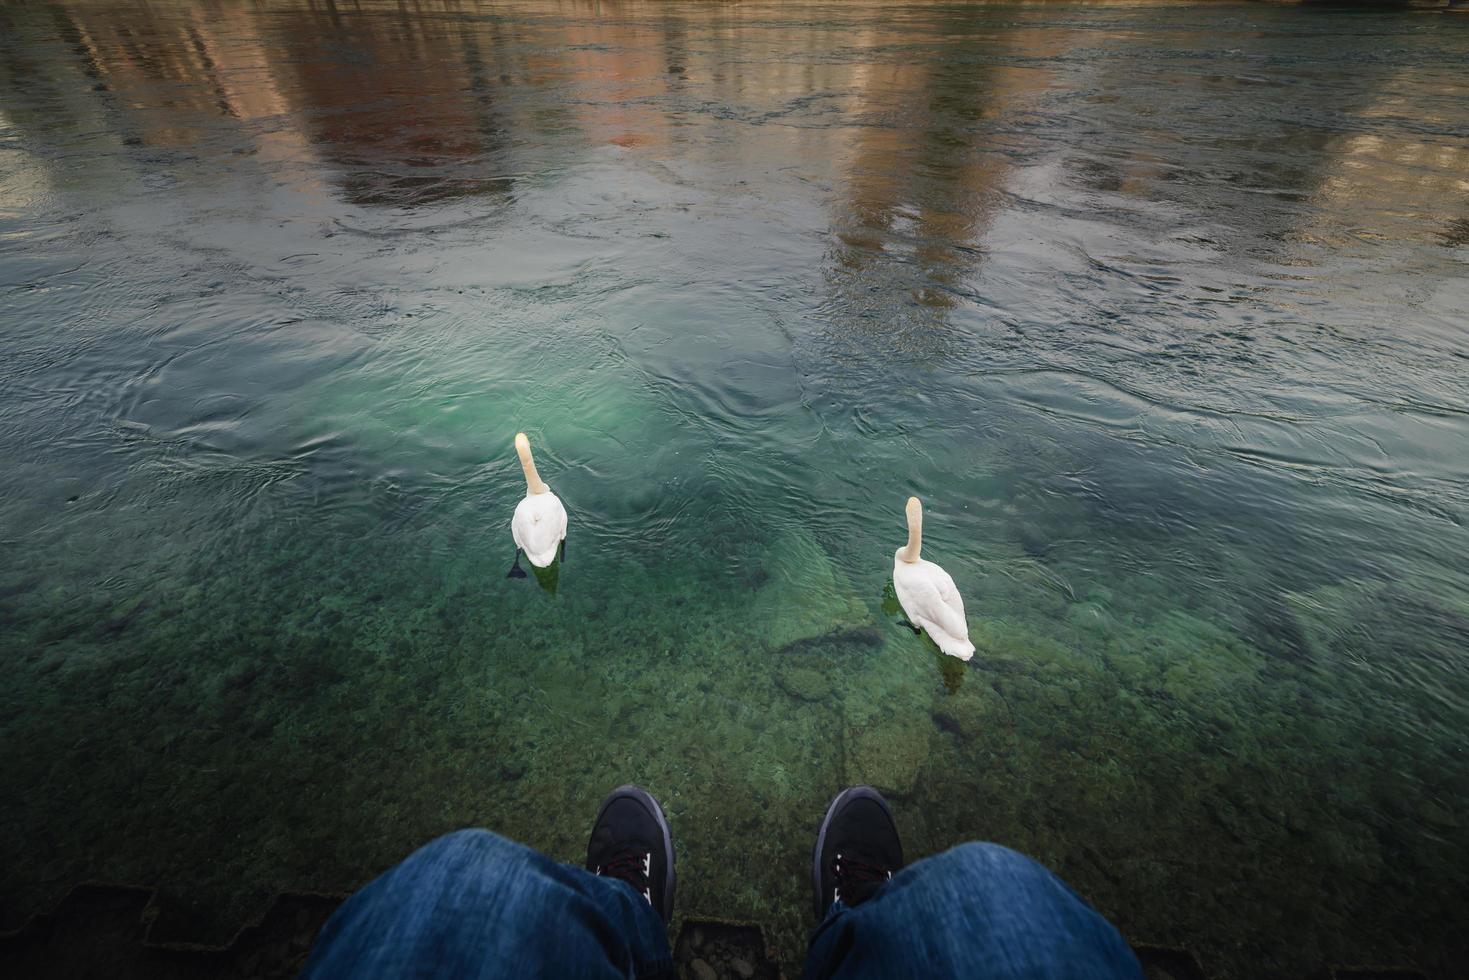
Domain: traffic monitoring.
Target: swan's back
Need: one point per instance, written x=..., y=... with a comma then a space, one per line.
x=538, y=527
x=931, y=600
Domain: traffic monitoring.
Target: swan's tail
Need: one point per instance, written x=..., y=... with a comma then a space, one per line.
x=956, y=647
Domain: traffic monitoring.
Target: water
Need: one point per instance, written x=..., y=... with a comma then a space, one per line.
x=1160, y=309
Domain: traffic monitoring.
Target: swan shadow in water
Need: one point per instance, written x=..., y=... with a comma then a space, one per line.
x=893, y=609
x=549, y=577
x=951, y=669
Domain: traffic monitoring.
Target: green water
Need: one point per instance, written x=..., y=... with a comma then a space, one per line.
x=1160, y=309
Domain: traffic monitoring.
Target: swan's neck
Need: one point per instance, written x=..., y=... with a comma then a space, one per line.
x=533, y=484
x=915, y=542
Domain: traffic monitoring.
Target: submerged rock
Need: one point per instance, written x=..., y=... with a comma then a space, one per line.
x=804, y=684
x=1089, y=616
x=806, y=597
x=971, y=713
x=886, y=760
x=1436, y=815
x=1272, y=626
x=888, y=752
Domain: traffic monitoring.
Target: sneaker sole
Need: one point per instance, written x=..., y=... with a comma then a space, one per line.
x=850, y=793
x=646, y=798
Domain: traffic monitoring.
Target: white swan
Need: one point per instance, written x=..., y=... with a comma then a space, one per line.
x=539, y=524
x=927, y=592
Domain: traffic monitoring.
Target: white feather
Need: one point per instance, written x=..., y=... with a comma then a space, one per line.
x=928, y=596
x=539, y=526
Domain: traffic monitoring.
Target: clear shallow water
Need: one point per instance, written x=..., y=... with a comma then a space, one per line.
x=1159, y=308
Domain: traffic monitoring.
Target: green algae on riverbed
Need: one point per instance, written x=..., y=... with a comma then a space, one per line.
x=1151, y=730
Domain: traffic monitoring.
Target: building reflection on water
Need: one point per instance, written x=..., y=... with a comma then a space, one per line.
x=406, y=106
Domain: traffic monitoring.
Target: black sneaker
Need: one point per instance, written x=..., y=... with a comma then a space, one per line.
x=631, y=840
x=857, y=849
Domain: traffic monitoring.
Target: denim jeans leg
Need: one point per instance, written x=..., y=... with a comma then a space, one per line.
x=473, y=904
x=976, y=911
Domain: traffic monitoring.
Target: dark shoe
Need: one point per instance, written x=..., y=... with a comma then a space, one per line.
x=631, y=840
x=857, y=849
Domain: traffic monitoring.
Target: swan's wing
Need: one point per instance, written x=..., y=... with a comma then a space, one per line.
x=521, y=523
x=946, y=608
x=950, y=594
x=539, y=526
x=919, y=595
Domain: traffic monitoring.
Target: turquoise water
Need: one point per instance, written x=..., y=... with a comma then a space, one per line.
x=1160, y=309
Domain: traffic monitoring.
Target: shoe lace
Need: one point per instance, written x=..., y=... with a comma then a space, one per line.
x=632, y=867
x=857, y=878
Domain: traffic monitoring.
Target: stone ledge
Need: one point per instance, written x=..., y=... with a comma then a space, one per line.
x=107, y=930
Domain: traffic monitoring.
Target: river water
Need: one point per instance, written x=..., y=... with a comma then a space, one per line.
x=1160, y=309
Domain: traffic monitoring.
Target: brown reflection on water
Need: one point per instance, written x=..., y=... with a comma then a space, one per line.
x=911, y=149
x=173, y=75
x=898, y=141
x=910, y=132
x=1286, y=153
x=404, y=109
x=927, y=175
x=1417, y=178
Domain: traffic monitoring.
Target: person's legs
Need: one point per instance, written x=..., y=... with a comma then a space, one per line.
x=976, y=911
x=475, y=905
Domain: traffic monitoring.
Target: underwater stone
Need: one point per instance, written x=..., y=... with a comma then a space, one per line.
x=804, y=684
x=1089, y=616
x=1274, y=628
x=971, y=712
x=946, y=722
x=19, y=587
x=999, y=665
x=888, y=756
x=742, y=967
x=703, y=971
x=1018, y=644
x=1437, y=815
x=1032, y=541
x=805, y=596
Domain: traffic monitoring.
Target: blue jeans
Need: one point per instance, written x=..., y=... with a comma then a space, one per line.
x=473, y=904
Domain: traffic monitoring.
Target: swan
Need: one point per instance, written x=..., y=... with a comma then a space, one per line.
x=927, y=593
x=539, y=524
